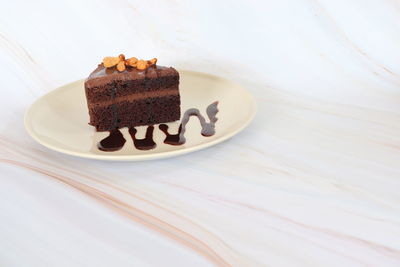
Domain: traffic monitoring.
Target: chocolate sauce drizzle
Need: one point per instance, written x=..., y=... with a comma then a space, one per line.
x=114, y=106
x=115, y=141
x=143, y=144
x=207, y=128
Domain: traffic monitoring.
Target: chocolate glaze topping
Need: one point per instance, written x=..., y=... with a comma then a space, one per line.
x=102, y=75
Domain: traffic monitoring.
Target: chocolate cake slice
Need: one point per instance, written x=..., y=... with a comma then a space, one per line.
x=132, y=95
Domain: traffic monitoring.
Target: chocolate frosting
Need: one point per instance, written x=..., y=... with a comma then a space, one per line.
x=102, y=75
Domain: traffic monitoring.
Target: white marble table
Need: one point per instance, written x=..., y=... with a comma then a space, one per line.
x=314, y=181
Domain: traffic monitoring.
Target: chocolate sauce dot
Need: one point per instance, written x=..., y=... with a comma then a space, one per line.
x=115, y=141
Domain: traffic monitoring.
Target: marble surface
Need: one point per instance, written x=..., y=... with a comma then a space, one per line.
x=313, y=181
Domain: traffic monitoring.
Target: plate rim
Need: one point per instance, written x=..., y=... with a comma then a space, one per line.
x=143, y=157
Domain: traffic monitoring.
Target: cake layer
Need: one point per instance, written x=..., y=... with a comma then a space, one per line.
x=107, y=83
x=174, y=90
x=152, y=110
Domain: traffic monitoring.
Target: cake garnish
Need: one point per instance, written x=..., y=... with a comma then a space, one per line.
x=122, y=63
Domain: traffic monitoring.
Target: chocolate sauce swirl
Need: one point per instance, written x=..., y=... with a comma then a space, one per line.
x=115, y=141
x=207, y=128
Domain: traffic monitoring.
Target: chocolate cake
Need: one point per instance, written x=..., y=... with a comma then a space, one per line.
x=127, y=93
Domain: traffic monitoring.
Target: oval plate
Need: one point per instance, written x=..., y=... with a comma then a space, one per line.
x=59, y=119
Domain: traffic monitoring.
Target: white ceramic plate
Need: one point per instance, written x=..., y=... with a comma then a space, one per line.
x=59, y=119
